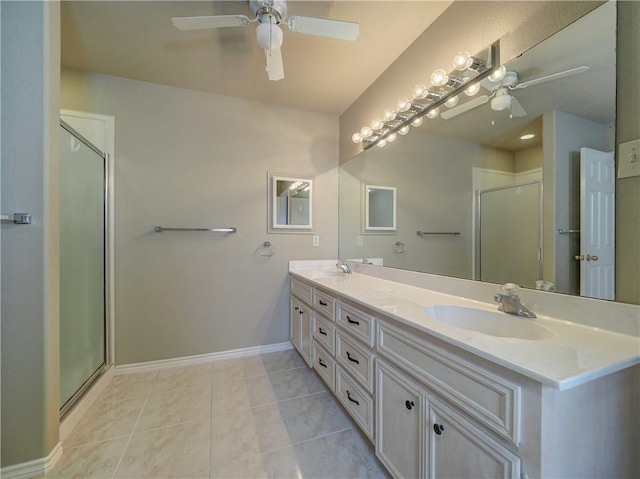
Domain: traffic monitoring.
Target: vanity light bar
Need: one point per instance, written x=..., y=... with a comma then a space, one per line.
x=468, y=70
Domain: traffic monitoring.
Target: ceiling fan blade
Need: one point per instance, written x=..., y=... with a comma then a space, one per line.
x=275, y=68
x=214, y=21
x=470, y=105
x=553, y=76
x=516, y=108
x=324, y=27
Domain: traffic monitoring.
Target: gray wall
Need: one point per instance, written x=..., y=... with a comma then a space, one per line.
x=29, y=253
x=627, y=129
x=434, y=177
x=191, y=159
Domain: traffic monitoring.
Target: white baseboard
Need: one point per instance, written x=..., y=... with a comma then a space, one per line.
x=201, y=358
x=35, y=468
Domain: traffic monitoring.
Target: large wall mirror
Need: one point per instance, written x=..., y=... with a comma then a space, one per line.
x=509, y=181
x=291, y=204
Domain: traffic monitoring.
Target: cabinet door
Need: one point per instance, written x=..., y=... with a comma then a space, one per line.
x=306, y=332
x=296, y=313
x=458, y=449
x=400, y=406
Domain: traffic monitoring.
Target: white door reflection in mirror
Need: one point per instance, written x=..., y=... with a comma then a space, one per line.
x=380, y=208
x=291, y=203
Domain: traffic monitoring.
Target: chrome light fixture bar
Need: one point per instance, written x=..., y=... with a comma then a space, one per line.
x=468, y=71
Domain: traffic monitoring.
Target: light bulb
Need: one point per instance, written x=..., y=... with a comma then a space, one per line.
x=417, y=122
x=403, y=104
x=392, y=137
x=433, y=113
x=462, y=61
x=389, y=115
x=419, y=92
x=357, y=137
x=439, y=77
x=404, y=130
x=498, y=74
x=472, y=89
x=451, y=102
x=366, y=132
x=376, y=124
x=381, y=143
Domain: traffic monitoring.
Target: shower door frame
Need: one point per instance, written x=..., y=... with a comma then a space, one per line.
x=107, y=265
x=478, y=225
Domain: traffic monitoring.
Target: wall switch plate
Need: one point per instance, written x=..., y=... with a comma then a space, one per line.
x=360, y=241
x=315, y=240
x=629, y=159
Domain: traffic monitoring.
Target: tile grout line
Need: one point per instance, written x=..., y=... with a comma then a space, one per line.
x=135, y=426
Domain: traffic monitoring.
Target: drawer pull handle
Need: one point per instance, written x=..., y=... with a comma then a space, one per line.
x=351, y=399
x=353, y=360
x=438, y=428
x=321, y=363
x=409, y=404
x=322, y=303
x=324, y=333
x=349, y=320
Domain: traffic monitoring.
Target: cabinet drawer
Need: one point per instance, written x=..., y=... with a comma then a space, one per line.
x=301, y=290
x=358, y=323
x=487, y=397
x=324, y=365
x=355, y=400
x=357, y=360
x=325, y=333
x=325, y=304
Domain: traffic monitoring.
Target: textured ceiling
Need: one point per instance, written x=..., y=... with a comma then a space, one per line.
x=136, y=40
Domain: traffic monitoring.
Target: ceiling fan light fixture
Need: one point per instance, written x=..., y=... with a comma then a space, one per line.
x=501, y=102
x=269, y=35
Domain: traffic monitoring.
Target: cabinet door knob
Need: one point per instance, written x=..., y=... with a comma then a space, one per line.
x=353, y=360
x=438, y=428
x=409, y=404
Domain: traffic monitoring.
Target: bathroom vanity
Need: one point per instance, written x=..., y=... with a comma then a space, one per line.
x=446, y=386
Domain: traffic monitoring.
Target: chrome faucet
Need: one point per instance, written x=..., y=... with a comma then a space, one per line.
x=510, y=302
x=342, y=264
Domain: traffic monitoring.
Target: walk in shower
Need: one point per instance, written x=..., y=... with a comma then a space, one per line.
x=83, y=204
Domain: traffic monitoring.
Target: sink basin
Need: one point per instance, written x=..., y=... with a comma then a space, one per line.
x=327, y=274
x=492, y=323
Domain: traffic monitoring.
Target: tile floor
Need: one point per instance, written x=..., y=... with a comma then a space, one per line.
x=259, y=416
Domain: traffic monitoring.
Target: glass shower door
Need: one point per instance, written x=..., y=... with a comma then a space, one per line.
x=82, y=265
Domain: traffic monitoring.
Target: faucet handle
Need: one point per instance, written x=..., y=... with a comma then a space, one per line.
x=511, y=289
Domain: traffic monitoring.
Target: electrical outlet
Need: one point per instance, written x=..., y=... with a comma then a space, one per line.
x=315, y=240
x=360, y=240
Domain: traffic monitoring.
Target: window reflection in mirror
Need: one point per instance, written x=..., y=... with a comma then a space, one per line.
x=291, y=203
x=380, y=208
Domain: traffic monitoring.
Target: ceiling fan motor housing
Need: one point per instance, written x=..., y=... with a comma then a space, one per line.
x=276, y=8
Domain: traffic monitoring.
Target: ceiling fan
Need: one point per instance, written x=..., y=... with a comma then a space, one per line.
x=269, y=14
x=501, y=97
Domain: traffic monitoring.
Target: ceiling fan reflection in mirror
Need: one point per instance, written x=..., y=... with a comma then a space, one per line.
x=501, y=83
x=269, y=15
